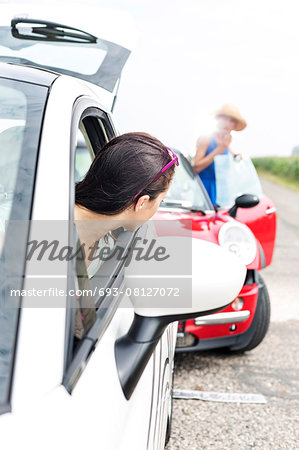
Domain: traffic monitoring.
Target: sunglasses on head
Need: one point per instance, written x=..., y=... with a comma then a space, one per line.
x=174, y=160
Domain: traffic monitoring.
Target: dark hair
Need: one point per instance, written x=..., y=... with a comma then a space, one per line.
x=122, y=172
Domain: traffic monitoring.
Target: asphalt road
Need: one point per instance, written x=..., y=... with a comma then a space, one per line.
x=272, y=369
x=282, y=277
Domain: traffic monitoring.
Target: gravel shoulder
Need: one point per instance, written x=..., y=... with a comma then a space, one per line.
x=272, y=369
x=282, y=277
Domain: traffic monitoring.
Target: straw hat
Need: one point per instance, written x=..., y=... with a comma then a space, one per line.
x=232, y=111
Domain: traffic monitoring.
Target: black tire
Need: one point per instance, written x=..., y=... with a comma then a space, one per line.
x=260, y=323
x=169, y=423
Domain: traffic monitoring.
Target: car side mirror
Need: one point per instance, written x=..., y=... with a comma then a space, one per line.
x=217, y=278
x=243, y=201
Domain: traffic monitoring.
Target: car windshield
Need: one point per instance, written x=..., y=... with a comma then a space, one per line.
x=186, y=189
x=237, y=179
x=21, y=111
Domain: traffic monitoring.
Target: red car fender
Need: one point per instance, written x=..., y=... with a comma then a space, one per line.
x=258, y=262
x=206, y=227
x=261, y=220
x=249, y=294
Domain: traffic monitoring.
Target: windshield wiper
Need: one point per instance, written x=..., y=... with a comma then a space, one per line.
x=51, y=31
x=183, y=204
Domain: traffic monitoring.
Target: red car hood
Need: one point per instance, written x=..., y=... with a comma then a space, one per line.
x=203, y=227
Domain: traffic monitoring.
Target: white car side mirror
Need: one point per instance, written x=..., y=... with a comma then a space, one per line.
x=217, y=278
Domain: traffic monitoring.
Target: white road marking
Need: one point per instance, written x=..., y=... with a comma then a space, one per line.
x=224, y=397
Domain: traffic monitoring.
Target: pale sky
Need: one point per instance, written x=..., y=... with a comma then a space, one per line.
x=192, y=56
x=195, y=55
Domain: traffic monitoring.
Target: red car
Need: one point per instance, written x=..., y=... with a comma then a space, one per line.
x=246, y=226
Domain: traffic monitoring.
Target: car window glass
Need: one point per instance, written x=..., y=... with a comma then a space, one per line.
x=97, y=61
x=236, y=178
x=92, y=134
x=21, y=112
x=84, y=154
x=186, y=188
x=13, y=107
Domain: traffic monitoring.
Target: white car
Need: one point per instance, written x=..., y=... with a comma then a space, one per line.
x=111, y=387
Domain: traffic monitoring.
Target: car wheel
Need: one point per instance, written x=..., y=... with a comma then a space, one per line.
x=260, y=323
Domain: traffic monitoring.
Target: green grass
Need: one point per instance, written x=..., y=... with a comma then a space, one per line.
x=278, y=180
x=283, y=171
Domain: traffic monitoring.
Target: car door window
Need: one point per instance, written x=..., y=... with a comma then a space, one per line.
x=21, y=112
x=238, y=178
x=84, y=155
x=93, y=131
x=245, y=180
x=93, y=286
x=186, y=187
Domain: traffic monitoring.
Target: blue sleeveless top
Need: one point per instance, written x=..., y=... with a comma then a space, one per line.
x=207, y=175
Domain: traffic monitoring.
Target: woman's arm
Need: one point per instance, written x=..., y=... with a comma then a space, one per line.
x=201, y=160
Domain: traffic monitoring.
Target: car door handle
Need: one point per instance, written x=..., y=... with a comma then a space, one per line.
x=270, y=210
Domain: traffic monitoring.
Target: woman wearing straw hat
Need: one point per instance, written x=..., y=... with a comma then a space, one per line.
x=208, y=147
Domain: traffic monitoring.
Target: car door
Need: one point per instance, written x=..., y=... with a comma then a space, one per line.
x=261, y=219
x=130, y=420
x=146, y=429
x=67, y=394
x=125, y=422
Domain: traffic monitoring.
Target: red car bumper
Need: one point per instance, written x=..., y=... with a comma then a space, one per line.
x=225, y=329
